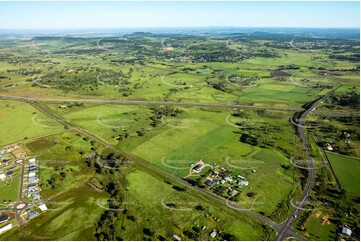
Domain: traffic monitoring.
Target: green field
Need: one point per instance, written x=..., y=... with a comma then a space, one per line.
x=317, y=230
x=9, y=191
x=347, y=170
x=71, y=216
x=147, y=204
x=22, y=121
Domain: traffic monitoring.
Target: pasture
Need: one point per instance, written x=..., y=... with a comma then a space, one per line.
x=347, y=170
x=22, y=121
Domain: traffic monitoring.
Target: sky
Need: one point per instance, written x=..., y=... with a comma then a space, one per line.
x=55, y=15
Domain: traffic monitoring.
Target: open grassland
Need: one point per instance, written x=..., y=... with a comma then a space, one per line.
x=149, y=198
x=202, y=134
x=347, y=170
x=20, y=121
x=320, y=229
x=9, y=190
x=61, y=161
x=71, y=216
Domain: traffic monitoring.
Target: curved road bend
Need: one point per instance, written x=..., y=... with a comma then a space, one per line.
x=145, y=164
x=287, y=225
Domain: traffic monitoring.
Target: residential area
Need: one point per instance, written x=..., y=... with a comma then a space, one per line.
x=20, y=197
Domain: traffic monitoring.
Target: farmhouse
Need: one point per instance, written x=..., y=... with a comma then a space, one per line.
x=198, y=168
x=211, y=183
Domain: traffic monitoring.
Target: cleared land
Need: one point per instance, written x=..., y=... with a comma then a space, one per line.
x=22, y=121
x=347, y=170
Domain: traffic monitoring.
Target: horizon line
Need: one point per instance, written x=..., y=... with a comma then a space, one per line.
x=185, y=27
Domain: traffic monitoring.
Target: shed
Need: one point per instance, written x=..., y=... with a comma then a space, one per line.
x=346, y=231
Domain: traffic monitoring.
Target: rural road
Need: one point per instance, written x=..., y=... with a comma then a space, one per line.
x=144, y=102
x=300, y=126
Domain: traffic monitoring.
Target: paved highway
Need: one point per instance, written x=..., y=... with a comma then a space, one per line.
x=286, y=229
x=190, y=104
x=144, y=102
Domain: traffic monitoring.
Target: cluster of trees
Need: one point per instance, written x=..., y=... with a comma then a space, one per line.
x=350, y=57
x=84, y=78
x=350, y=98
x=113, y=182
x=160, y=112
x=56, y=178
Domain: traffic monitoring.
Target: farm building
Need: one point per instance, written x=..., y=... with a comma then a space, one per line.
x=210, y=183
x=346, y=231
x=5, y=228
x=43, y=207
x=198, y=168
x=213, y=234
x=176, y=237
